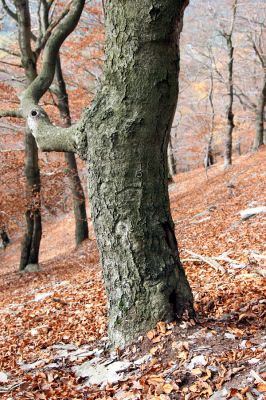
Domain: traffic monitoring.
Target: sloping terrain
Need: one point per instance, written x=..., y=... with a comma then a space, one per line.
x=53, y=323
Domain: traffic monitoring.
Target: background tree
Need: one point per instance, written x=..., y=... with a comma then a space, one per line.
x=228, y=36
x=258, y=44
x=45, y=24
x=81, y=225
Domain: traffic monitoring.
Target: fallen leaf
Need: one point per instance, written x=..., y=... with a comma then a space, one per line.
x=155, y=380
x=161, y=326
x=261, y=387
x=150, y=335
x=167, y=388
x=196, y=371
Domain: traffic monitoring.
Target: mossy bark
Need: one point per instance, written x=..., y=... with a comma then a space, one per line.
x=128, y=130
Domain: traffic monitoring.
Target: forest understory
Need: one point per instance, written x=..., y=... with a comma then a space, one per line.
x=53, y=339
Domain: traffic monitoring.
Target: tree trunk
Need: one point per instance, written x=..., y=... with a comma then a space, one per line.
x=128, y=129
x=171, y=161
x=79, y=202
x=230, y=114
x=31, y=241
x=30, y=244
x=209, y=157
x=259, y=138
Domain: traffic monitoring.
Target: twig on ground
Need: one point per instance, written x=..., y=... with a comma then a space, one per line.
x=208, y=260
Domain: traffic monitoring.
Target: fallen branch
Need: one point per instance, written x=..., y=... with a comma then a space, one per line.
x=10, y=388
x=208, y=260
x=250, y=212
x=10, y=113
x=257, y=377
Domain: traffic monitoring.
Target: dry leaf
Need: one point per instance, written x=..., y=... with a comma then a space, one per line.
x=167, y=388
x=156, y=339
x=196, y=371
x=150, y=335
x=261, y=387
x=155, y=380
x=161, y=326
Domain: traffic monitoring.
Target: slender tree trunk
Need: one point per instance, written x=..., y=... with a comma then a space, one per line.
x=259, y=138
x=31, y=241
x=30, y=244
x=209, y=158
x=230, y=114
x=128, y=133
x=238, y=147
x=171, y=161
x=79, y=202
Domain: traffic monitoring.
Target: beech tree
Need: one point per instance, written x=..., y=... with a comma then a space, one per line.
x=29, y=57
x=124, y=137
x=258, y=46
x=230, y=87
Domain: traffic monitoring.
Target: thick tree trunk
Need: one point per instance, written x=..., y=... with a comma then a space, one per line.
x=79, y=202
x=128, y=130
x=230, y=114
x=30, y=244
x=259, y=138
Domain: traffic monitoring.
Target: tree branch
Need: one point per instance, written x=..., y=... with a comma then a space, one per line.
x=10, y=52
x=41, y=84
x=259, y=54
x=49, y=31
x=11, y=113
x=24, y=37
x=11, y=64
x=49, y=137
x=9, y=12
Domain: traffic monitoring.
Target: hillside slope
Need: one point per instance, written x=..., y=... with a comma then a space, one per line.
x=55, y=320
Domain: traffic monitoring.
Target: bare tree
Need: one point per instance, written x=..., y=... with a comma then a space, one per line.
x=59, y=89
x=81, y=224
x=260, y=137
x=29, y=56
x=229, y=112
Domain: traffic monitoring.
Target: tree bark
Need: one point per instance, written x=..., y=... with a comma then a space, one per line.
x=209, y=157
x=171, y=161
x=259, y=138
x=79, y=202
x=30, y=244
x=128, y=132
x=124, y=136
x=229, y=113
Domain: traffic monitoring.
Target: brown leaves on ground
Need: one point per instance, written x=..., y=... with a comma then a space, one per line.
x=55, y=320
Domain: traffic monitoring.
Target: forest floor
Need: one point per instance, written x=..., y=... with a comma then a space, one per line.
x=53, y=342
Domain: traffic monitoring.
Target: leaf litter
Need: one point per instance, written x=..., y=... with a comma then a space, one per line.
x=53, y=341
